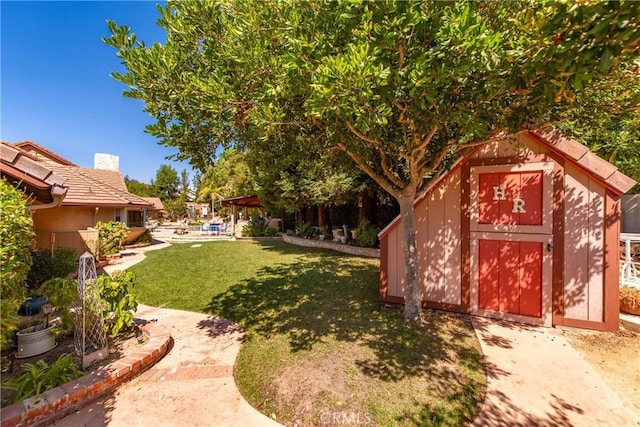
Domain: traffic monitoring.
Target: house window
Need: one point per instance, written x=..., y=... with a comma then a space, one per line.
x=134, y=219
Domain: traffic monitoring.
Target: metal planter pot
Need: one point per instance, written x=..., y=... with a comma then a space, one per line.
x=35, y=340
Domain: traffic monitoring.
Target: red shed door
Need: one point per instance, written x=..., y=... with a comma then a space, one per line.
x=510, y=277
x=512, y=238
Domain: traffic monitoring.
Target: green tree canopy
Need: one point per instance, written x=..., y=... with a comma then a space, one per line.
x=398, y=87
x=166, y=183
x=229, y=175
x=139, y=188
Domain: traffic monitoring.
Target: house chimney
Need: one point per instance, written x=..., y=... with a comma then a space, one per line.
x=106, y=161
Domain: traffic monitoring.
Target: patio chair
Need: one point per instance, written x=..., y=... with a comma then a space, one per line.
x=204, y=228
x=223, y=228
x=214, y=228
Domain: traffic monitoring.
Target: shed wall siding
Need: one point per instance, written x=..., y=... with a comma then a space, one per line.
x=438, y=236
x=525, y=147
x=395, y=264
x=583, y=246
x=438, y=229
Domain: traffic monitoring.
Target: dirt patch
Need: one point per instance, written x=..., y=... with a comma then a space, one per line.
x=119, y=346
x=391, y=374
x=616, y=357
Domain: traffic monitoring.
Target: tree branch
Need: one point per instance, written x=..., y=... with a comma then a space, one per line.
x=422, y=148
x=384, y=183
x=425, y=166
x=386, y=168
x=362, y=136
x=498, y=136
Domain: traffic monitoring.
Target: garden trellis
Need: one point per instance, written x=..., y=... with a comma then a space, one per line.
x=90, y=335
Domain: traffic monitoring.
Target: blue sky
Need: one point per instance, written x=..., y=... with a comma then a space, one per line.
x=56, y=89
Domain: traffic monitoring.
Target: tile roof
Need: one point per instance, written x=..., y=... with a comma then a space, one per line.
x=38, y=152
x=96, y=187
x=156, y=202
x=34, y=178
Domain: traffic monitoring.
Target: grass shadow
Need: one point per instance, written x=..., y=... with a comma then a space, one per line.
x=324, y=298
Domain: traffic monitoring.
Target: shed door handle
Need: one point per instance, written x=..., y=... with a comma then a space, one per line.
x=549, y=247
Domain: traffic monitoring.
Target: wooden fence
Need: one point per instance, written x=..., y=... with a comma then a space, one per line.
x=80, y=240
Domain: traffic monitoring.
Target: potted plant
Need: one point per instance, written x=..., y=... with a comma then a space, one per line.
x=305, y=230
x=323, y=233
x=630, y=299
x=36, y=339
x=40, y=338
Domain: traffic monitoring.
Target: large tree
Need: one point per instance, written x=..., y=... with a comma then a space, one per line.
x=400, y=88
x=166, y=183
x=139, y=188
x=229, y=175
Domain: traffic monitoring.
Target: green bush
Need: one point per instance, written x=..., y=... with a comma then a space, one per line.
x=256, y=227
x=60, y=293
x=41, y=376
x=47, y=265
x=269, y=232
x=305, y=230
x=16, y=234
x=120, y=303
x=366, y=235
x=111, y=235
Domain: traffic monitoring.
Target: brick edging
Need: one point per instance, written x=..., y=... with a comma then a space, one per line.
x=59, y=402
x=327, y=244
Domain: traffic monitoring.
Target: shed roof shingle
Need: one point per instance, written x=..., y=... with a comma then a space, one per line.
x=586, y=159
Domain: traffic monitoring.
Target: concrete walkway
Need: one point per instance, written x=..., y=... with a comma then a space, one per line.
x=192, y=385
x=535, y=378
x=131, y=257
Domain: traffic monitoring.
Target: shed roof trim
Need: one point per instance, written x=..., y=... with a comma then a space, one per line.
x=569, y=148
x=584, y=158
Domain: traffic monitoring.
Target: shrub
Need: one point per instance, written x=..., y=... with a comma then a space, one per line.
x=120, y=303
x=305, y=230
x=366, y=235
x=110, y=236
x=16, y=233
x=630, y=297
x=41, y=376
x=270, y=232
x=60, y=293
x=47, y=265
x=256, y=227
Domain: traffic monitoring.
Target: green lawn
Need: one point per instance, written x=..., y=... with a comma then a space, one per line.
x=320, y=348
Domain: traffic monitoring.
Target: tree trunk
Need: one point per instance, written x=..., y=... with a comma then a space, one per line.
x=322, y=222
x=367, y=209
x=412, y=288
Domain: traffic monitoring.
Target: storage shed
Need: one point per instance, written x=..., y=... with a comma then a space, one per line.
x=524, y=230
